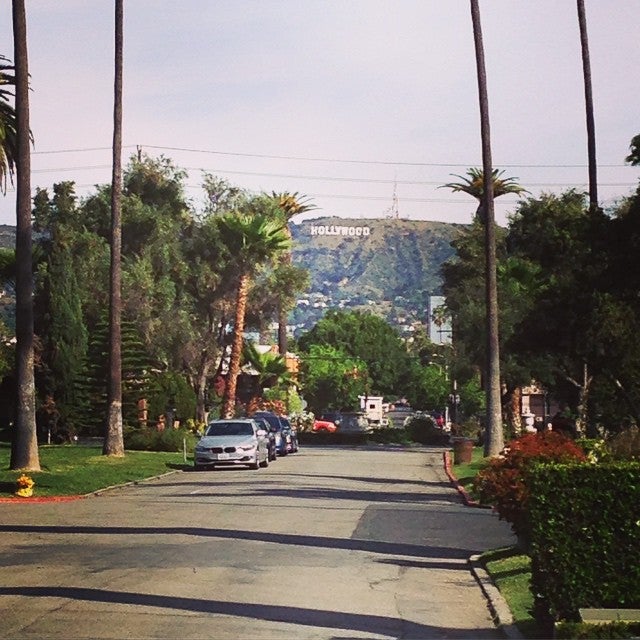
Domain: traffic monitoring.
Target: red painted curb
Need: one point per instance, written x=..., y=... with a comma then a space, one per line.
x=19, y=500
x=468, y=500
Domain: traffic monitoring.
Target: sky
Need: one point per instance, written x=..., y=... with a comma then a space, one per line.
x=366, y=107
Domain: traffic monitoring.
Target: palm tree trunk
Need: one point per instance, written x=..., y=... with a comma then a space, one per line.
x=114, y=442
x=588, y=98
x=282, y=310
x=229, y=400
x=494, y=442
x=24, y=450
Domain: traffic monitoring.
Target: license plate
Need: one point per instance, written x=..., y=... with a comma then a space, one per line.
x=223, y=456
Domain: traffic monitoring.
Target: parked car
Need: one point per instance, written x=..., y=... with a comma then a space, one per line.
x=232, y=442
x=277, y=428
x=348, y=421
x=271, y=437
x=292, y=435
x=324, y=426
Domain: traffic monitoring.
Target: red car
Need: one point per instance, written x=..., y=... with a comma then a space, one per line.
x=324, y=425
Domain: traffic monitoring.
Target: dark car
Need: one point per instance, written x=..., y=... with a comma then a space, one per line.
x=292, y=439
x=271, y=436
x=276, y=427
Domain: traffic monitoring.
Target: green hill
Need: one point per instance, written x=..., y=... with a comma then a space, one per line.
x=390, y=266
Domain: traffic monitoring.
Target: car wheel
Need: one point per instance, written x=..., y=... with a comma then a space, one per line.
x=255, y=465
x=265, y=463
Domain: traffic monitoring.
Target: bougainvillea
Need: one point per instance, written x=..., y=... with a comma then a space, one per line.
x=501, y=484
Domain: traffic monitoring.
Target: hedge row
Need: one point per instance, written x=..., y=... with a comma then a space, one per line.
x=585, y=530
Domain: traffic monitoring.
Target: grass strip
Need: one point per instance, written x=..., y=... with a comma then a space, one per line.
x=510, y=571
x=75, y=470
x=466, y=472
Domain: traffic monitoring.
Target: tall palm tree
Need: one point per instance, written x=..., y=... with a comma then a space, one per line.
x=473, y=184
x=290, y=204
x=494, y=442
x=8, y=132
x=588, y=98
x=24, y=450
x=252, y=240
x=114, y=441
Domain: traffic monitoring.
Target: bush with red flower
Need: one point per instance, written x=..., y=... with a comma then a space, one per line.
x=501, y=483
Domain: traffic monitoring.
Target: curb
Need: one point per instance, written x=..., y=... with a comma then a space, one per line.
x=97, y=492
x=467, y=499
x=498, y=606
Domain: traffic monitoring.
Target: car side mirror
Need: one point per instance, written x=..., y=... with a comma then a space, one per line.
x=261, y=432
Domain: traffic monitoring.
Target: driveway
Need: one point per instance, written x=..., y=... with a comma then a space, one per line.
x=329, y=543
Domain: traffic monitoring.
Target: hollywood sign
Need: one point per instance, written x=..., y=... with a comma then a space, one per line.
x=337, y=230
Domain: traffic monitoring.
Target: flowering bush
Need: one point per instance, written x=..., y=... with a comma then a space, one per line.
x=24, y=486
x=502, y=484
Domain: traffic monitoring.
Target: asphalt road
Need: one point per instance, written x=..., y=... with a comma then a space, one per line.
x=329, y=543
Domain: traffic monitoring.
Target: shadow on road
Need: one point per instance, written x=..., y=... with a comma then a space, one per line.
x=351, y=544
x=393, y=627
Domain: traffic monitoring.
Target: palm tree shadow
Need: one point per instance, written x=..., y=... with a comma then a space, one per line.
x=321, y=618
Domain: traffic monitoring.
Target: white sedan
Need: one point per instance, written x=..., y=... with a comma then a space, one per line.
x=232, y=442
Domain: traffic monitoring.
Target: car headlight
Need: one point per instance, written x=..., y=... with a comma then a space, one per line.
x=247, y=447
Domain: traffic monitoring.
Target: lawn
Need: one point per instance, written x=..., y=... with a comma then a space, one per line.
x=75, y=469
x=465, y=473
x=510, y=571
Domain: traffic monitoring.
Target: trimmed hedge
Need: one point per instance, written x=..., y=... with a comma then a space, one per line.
x=585, y=527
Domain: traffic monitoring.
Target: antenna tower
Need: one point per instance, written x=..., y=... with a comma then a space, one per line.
x=393, y=210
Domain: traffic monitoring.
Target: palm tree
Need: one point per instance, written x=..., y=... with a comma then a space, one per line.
x=252, y=240
x=290, y=204
x=494, y=442
x=8, y=133
x=473, y=184
x=271, y=367
x=588, y=98
x=114, y=441
x=24, y=450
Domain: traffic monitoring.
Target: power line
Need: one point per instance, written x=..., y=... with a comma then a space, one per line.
x=334, y=160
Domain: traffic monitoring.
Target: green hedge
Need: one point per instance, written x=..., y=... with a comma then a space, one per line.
x=153, y=440
x=585, y=529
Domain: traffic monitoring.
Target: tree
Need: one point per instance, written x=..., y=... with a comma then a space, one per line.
x=332, y=378
x=474, y=185
x=114, y=440
x=495, y=440
x=290, y=204
x=251, y=241
x=8, y=132
x=271, y=368
x=24, y=451
x=588, y=100
x=634, y=156
x=370, y=340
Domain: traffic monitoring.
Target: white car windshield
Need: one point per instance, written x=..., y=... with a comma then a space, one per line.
x=229, y=429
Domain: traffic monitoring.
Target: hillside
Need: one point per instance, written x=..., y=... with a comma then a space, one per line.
x=389, y=266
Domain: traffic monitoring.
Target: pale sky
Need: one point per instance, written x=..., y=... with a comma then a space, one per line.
x=345, y=101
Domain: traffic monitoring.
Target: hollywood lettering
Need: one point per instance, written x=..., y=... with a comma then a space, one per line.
x=337, y=230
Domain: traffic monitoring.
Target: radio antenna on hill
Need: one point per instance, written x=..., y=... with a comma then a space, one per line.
x=393, y=211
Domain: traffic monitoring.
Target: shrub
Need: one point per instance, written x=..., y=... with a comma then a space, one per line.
x=153, y=440
x=584, y=538
x=424, y=430
x=502, y=482
x=608, y=631
x=625, y=445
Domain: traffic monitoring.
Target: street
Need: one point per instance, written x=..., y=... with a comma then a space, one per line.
x=329, y=543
